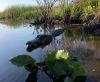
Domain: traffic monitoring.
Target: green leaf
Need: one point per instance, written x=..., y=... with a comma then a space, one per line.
x=58, y=70
x=68, y=79
x=31, y=67
x=57, y=62
x=75, y=65
x=22, y=60
x=50, y=67
x=51, y=57
x=78, y=72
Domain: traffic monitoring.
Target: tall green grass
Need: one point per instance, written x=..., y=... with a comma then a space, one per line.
x=82, y=10
x=78, y=10
x=26, y=12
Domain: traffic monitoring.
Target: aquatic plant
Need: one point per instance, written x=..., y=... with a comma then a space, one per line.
x=58, y=65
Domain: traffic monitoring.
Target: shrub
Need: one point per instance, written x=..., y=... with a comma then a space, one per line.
x=77, y=11
x=67, y=14
x=31, y=14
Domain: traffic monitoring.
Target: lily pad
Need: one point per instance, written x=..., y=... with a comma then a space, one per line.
x=78, y=72
x=59, y=70
x=22, y=60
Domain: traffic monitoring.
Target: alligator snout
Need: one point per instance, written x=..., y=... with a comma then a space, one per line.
x=29, y=43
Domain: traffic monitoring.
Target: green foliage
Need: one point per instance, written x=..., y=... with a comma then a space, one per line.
x=31, y=15
x=56, y=12
x=68, y=79
x=24, y=60
x=68, y=12
x=77, y=10
x=77, y=70
x=58, y=63
x=25, y=12
x=94, y=3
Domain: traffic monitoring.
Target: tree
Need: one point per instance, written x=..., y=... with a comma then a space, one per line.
x=46, y=7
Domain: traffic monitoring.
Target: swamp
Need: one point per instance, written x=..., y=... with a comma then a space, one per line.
x=50, y=41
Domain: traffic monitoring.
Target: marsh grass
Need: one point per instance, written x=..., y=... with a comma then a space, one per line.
x=16, y=12
x=79, y=11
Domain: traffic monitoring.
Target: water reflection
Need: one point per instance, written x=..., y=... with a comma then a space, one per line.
x=13, y=42
x=14, y=23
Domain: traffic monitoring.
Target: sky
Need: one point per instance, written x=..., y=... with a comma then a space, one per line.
x=7, y=3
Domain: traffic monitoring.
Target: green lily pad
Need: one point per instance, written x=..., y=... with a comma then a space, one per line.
x=78, y=72
x=22, y=60
x=75, y=65
x=58, y=70
x=51, y=56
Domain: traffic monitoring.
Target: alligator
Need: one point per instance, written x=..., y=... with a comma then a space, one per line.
x=57, y=32
x=40, y=40
x=43, y=40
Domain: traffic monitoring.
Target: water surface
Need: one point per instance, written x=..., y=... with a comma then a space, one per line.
x=13, y=42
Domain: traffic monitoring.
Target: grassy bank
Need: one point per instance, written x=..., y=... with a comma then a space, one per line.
x=22, y=12
x=26, y=12
x=84, y=10
x=77, y=12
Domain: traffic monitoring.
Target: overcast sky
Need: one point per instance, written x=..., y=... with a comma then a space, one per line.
x=6, y=3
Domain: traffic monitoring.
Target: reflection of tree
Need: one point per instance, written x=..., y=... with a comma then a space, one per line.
x=46, y=30
x=73, y=35
x=71, y=38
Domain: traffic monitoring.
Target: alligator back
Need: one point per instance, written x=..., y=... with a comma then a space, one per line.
x=57, y=32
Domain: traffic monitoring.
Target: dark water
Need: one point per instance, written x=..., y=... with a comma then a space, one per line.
x=13, y=42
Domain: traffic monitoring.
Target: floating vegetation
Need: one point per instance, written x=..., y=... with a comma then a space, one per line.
x=58, y=65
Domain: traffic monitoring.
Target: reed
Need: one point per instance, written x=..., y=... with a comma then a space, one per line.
x=20, y=12
x=77, y=10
